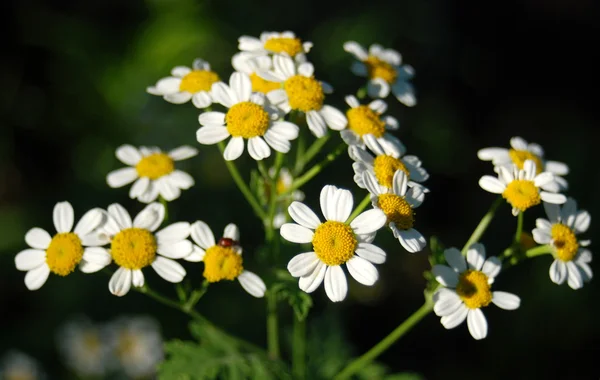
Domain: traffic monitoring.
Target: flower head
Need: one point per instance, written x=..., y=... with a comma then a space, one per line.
x=63, y=252
x=83, y=347
x=153, y=171
x=275, y=43
x=385, y=71
x=187, y=83
x=15, y=365
x=467, y=288
x=522, y=188
x=246, y=63
x=282, y=184
x=249, y=117
x=335, y=242
x=560, y=230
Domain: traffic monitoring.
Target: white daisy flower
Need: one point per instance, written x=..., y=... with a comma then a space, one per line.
x=246, y=63
x=187, y=83
x=248, y=117
x=223, y=259
x=16, y=365
x=283, y=183
x=398, y=204
x=275, y=43
x=302, y=92
x=467, y=289
x=571, y=258
x=334, y=242
x=522, y=188
x=61, y=253
x=153, y=171
x=385, y=71
x=83, y=348
x=135, y=245
x=519, y=152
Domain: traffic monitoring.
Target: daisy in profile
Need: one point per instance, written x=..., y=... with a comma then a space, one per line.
x=283, y=183
x=335, y=242
x=398, y=204
x=187, y=83
x=560, y=230
x=522, y=188
x=15, y=365
x=275, y=43
x=302, y=92
x=62, y=253
x=83, y=347
x=249, y=117
x=153, y=171
x=385, y=71
x=519, y=152
x=246, y=63
x=223, y=259
x=467, y=288
x=135, y=245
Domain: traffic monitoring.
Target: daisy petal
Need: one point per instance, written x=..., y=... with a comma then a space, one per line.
x=120, y=282
x=258, y=148
x=35, y=278
x=311, y=282
x=574, y=276
x=97, y=255
x=201, y=99
x=553, y=197
x=212, y=118
x=378, y=88
x=29, y=259
x=89, y=222
x=336, y=285
x=456, y=318
x=168, y=269
x=151, y=217
x=506, y=301
x=252, y=284
x=211, y=135
x=232, y=232
x=455, y=259
x=371, y=253
x=120, y=215
x=137, y=278
x=303, y=215
x=368, y=221
x=38, y=238
x=445, y=275
x=63, y=217
x=446, y=302
x=492, y=184
x=173, y=233
x=477, y=324
x=363, y=271
x=241, y=86
x=303, y=264
x=177, y=250
x=316, y=123
x=202, y=234
x=196, y=255
x=476, y=256
x=296, y=233
x=234, y=148
x=558, y=272
x=411, y=239
x=491, y=267
x=178, y=97
x=183, y=153
x=582, y=222
x=128, y=155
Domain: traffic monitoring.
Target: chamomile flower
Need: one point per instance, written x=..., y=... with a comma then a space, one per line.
x=398, y=204
x=15, y=365
x=385, y=71
x=467, y=289
x=522, y=188
x=245, y=63
x=302, y=92
x=519, y=152
x=248, y=117
x=187, y=83
x=135, y=245
x=335, y=242
x=223, y=259
x=275, y=43
x=153, y=171
x=283, y=183
x=560, y=230
x=62, y=253
x=83, y=347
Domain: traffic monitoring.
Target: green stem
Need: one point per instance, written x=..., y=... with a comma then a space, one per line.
x=164, y=202
x=364, y=203
x=519, y=228
x=299, y=349
x=539, y=250
x=298, y=165
x=386, y=342
x=235, y=174
x=195, y=296
x=483, y=225
x=273, y=198
x=272, y=326
x=312, y=151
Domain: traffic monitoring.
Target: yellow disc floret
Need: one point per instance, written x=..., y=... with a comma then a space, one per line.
x=564, y=241
x=262, y=85
x=334, y=243
x=198, y=80
x=290, y=46
x=522, y=194
x=385, y=167
x=377, y=68
x=473, y=288
x=64, y=253
x=222, y=263
x=133, y=248
x=397, y=210
x=247, y=120
x=519, y=157
x=304, y=93
x=155, y=166
x=363, y=120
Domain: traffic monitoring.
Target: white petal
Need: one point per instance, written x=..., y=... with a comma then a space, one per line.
x=178, y=97
x=63, y=217
x=201, y=99
x=173, y=233
x=338, y=205
x=456, y=318
x=582, y=222
x=139, y=187
x=196, y=255
x=128, y=155
x=316, y=123
x=284, y=130
x=137, y=278
x=477, y=324
x=553, y=212
x=399, y=183
x=29, y=259
x=371, y=253
x=183, y=153
x=202, y=234
x=411, y=239
x=303, y=264
x=543, y=179
x=476, y=256
x=211, y=135
x=378, y=88
x=97, y=255
x=223, y=94
x=38, y=238
x=295, y=233
x=234, y=148
x=180, y=179
x=558, y=271
x=252, y=284
x=258, y=148
x=277, y=96
x=368, y=221
x=557, y=168
x=241, y=86
x=311, y=282
x=177, y=250
x=165, y=86
x=120, y=282
x=446, y=302
x=95, y=239
x=363, y=271
x=167, y=189
x=492, y=184
x=352, y=101
x=371, y=183
x=455, y=259
x=212, y=118
x=574, y=276
x=120, y=215
x=405, y=93
x=306, y=69
x=303, y=215
x=445, y=275
x=506, y=301
x=285, y=65
x=491, y=154
x=336, y=285
x=378, y=106
x=35, y=278
x=121, y=177
x=89, y=222
x=553, y=197
x=232, y=232
x=151, y=217
x=168, y=269
x=89, y=267
x=334, y=118
x=391, y=123
x=491, y=267
x=356, y=49
x=150, y=194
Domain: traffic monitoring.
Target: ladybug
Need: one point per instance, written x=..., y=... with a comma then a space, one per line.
x=228, y=242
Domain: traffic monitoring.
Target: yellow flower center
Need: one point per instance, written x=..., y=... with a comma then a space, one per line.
x=378, y=68
x=64, y=253
x=304, y=94
x=198, y=80
x=155, y=166
x=519, y=157
x=290, y=46
x=363, y=120
x=397, y=210
x=522, y=194
x=334, y=243
x=133, y=248
x=222, y=263
x=473, y=288
x=385, y=167
x=247, y=119
x=564, y=241
x=262, y=85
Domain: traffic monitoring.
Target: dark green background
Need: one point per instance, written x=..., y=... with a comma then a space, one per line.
x=73, y=78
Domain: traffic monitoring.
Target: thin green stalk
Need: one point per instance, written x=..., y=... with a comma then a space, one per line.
x=235, y=174
x=313, y=150
x=386, y=342
x=299, y=349
x=364, y=203
x=272, y=326
x=298, y=165
x=519, y=227
x=539, y=250
x=262, y=169
x=483, y=225
x=196, y=295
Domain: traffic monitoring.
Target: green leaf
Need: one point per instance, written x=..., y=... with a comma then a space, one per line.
x=300, y=301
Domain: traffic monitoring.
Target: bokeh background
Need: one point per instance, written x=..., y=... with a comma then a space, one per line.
x=73, y=80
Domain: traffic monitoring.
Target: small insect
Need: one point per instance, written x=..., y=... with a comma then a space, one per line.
x=228, y=242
